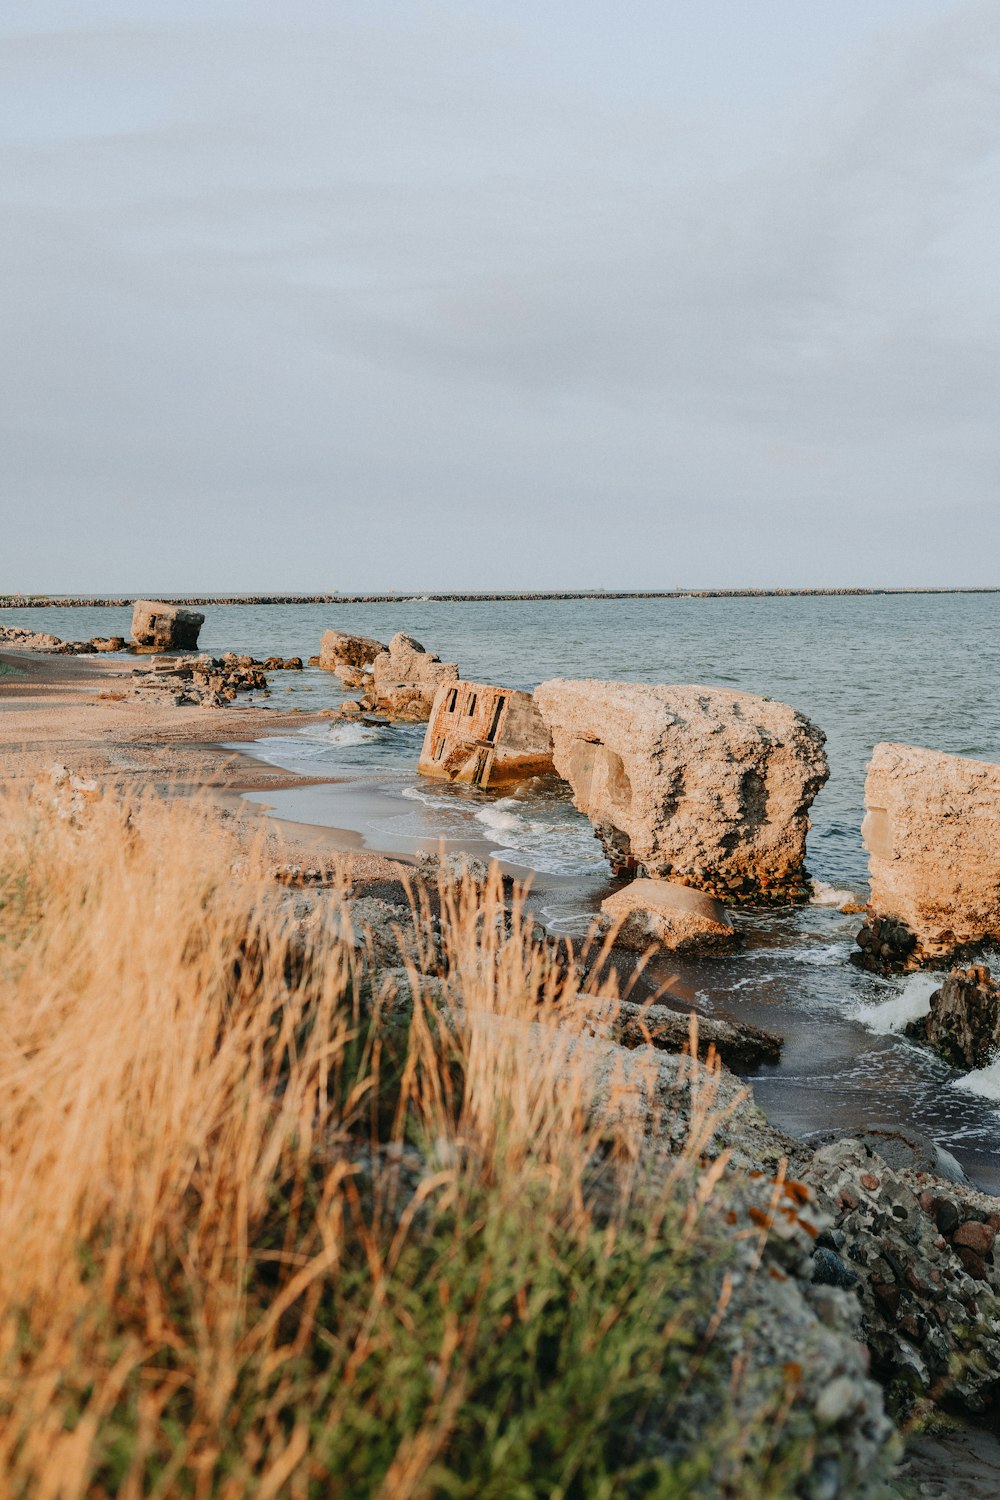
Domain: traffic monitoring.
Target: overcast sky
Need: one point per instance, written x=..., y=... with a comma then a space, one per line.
x=498, y=294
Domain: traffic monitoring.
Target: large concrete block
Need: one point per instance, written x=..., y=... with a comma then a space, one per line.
x=405, y=679
x=157, y=626
x=932, y=831
x=709, y=787
x=485, y=736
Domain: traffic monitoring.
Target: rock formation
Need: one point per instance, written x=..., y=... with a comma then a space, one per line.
x=963, y=1023
x=165, y=627
x=672, y=916
x=932, y=831
x=484, y=735
x=405, y=679
x=709, y=787
x=349, y=656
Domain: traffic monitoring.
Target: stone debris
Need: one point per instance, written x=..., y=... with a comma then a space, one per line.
x=705, y=786
x=453, y=869
x=932, y=831
x=399, y=681
x=485, y=736
x=205, y=681
x=665, y=914
x=963, y=1023
x=925, y=1272
x=157, y=626
x=884, y=944
x=16, y=638
x=350, y=656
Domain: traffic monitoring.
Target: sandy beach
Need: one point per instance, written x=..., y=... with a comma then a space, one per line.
x=70, y=710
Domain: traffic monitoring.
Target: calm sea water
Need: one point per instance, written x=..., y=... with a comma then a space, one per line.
x=923, y=669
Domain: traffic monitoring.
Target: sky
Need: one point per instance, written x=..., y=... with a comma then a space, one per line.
x=317, y=295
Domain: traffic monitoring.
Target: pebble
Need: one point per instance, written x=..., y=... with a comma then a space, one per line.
x=830, y=1270
x=837, y=1400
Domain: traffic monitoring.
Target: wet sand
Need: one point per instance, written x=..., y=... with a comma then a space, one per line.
x=68, y=710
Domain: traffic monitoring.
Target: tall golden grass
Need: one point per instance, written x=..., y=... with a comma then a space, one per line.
x=263, y=1231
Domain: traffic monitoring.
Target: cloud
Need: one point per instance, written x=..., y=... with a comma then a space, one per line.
x=366, y=281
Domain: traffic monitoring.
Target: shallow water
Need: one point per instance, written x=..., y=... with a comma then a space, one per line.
x=917, y=668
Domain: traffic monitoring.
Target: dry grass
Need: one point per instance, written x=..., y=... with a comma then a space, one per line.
x=259, y=1235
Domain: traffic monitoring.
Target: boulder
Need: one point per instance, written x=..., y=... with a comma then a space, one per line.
x=349, y=656
x=932, y=831
x=165, y=627
x=706, y=786
x=485, y=736
x=963, y=1023
x=405, y=679
x=672, y=916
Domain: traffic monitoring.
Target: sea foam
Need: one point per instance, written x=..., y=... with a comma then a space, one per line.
x=908, y=1004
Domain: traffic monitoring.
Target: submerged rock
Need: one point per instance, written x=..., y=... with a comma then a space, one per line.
x=709, y=787
x=963, y=1023
x=932, y=831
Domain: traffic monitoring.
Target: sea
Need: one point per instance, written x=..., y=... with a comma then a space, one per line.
x=923, y=669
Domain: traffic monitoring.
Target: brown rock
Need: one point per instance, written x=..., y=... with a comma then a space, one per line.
x=484, y=735
x=888, y=1296
x=932, y=831
x=338, y=649
x=978, y=1237
x=157, y=626
x=672, y=916
x=973, y=1263
x=694, y=783
x=405, y=679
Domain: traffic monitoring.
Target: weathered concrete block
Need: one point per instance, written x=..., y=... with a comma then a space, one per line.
x=350, y=656
x=405, y=679
x=485, y=735
x=673, y=916
x=932, y=831
x=157, y=626
x=703, y=785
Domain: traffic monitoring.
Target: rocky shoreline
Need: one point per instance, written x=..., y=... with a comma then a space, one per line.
x=873, y=1241
x=99, y=601
x=866, y=1242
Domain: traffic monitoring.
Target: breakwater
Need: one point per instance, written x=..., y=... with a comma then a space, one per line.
x=123, y=601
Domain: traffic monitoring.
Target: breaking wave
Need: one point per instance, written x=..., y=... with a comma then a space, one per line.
x=909, y=1004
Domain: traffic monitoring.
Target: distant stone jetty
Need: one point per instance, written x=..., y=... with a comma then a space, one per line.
x=79, y=601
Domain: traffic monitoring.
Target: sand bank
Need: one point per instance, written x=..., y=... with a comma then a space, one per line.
x=70, y=709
